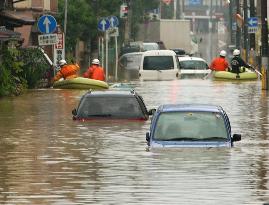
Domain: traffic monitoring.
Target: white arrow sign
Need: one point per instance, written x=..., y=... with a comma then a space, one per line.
x=103, y=22
x=47, y=24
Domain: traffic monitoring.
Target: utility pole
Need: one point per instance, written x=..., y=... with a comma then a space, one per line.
x=246, y=30
x=264, y=45
x=238, y=29
x=175, y=9
x=210, y=30
x=231, y=22
x=252, y=35
x=65, y=16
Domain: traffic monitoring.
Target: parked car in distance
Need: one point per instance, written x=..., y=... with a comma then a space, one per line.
x=147, y=46
x=159, y=65
x=179, y=51
x=193, y=67
x=115, y=104
x=128, y=66
x=190, y=125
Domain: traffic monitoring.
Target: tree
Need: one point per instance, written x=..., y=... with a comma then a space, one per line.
x=83, y=16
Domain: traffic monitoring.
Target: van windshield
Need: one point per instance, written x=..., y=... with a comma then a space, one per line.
x=158, y=63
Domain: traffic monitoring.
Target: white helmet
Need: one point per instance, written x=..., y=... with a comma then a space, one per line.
x=95, y=61
x=222, y=53
x=62, y=62
x=236, y=52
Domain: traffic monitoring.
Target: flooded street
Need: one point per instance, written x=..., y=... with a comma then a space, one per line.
x=47, y=158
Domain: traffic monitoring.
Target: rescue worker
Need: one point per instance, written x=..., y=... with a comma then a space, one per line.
x=67, y=71
x=95, y=71
x=237, y=63
x=220, y=63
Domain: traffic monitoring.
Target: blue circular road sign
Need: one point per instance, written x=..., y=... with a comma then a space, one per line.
x=103, y=24
x=46, y=24
x=114, y=21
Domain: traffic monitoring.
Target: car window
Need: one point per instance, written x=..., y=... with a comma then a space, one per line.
x=110, y=106
x=150, y=46
x=193, y=65
x=190, y=125
x=130, y=62
x=158, y=63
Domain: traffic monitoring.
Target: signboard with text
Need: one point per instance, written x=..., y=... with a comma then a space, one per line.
x=47, y=39
x=59, y=51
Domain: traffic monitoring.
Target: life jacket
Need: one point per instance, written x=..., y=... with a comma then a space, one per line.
x=67, y=72
x=219, y=64
x=95, y=72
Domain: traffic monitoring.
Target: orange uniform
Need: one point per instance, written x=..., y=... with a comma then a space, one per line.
x=67, y=72
x=95, y=72
x=219, y=64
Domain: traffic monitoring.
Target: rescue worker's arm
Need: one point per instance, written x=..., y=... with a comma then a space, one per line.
x=88, y=73
x=212, y=65
x=243, y=63
x=226, y=65
x=58, y=76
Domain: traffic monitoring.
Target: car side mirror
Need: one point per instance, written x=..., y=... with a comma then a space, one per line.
x=148, y=138
x=236, y=137
x=74, y=112
x=151, y=111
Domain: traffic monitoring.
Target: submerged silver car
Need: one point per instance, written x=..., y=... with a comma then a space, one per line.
x=190, y=125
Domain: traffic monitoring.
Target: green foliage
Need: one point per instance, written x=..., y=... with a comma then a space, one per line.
x=21, y=69
x=10, y=68
x=34, y=68
x=83, y=15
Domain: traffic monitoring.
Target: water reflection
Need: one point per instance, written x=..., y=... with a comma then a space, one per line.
x=47, y=158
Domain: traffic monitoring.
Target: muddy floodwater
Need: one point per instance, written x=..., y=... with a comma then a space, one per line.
x=47, y=158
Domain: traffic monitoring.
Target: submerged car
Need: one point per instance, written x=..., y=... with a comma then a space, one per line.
x=116, y=104
x=129, y=66
x=193, y=67
x=190, y=125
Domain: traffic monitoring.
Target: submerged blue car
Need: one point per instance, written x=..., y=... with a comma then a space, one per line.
x=190, y=125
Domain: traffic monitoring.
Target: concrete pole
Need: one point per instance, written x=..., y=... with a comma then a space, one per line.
x=175, y=9
x=238, y=29
x=264, y=40
x=65, y=16
x=246, y=47
x=210, y=31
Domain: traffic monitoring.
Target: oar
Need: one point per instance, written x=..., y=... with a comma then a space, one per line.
x=208, y=75
x=258, y=72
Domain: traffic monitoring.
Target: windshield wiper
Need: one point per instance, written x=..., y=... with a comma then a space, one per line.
x=215, y=138
x=183, y=139
x=100, y=115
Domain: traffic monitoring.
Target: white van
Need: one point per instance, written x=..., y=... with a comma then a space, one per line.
x=159, y=65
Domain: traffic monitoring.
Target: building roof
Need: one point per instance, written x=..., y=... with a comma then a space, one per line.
x=15, y=19
x=6, y=34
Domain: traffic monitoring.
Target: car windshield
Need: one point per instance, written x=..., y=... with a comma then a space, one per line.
x=158, y=63
x=150, y=46
x=193, y=65
x=110, y=106
x=130, y=62
x=190, y=126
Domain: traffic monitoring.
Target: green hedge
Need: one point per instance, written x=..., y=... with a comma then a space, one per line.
x=21, y=69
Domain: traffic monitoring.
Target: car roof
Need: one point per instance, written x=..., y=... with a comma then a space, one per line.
x=111, y=93
x=184, y=58
x=190, y=107
x=159, y=52
x=131, y=54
